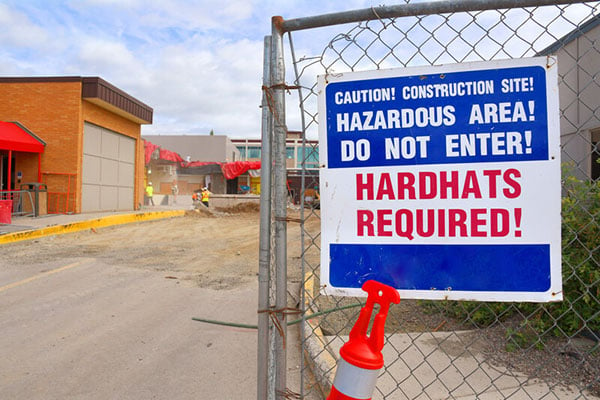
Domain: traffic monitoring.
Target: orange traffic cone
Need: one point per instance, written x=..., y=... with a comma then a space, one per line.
x=361, y=358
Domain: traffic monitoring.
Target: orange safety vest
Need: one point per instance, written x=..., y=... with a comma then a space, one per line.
x=205, y=195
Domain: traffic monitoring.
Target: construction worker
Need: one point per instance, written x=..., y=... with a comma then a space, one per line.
x=204, y=196
x=175, y=191
x=150, y=193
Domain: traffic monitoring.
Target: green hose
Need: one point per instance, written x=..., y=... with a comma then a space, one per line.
x=296, y=321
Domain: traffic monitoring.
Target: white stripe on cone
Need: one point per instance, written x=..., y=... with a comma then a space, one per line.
x=355, y=382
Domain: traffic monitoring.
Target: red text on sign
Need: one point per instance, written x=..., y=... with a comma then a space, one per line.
x=452, y=222
x=426, y=185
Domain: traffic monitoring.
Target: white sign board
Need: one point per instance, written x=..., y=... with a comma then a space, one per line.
x=443, y=182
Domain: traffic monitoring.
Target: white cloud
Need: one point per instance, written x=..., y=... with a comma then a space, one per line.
x=198, y=63
x=18, y=30
x=215, y=88
x=104, y=55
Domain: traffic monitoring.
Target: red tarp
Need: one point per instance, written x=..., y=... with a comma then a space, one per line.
x=192, y=164
x=230, y=170
x=148, y=150
x=169, y=156
x=237, y=168
x=15, y=137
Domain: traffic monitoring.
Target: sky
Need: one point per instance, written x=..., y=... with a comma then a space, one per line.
x=197, y=63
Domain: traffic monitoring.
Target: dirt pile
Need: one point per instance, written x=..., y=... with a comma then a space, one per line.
x=240, y=208
x=200, y=211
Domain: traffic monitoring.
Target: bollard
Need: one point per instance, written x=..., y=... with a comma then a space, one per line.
x=361, y=358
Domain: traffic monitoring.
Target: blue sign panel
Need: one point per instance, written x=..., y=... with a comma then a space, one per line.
x=460, y=117
x=520, y=268
x=443, y=182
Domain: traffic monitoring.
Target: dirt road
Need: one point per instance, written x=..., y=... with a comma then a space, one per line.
x=107, y=313
x=211, y=251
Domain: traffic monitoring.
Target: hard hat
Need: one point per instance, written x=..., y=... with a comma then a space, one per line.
x=150, y=183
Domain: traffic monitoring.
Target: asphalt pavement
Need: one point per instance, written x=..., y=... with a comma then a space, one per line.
x=40, y=356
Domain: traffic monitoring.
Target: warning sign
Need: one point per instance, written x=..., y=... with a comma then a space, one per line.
x=443, y=182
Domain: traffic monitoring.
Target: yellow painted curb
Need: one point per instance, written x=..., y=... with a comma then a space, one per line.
x=110, y=220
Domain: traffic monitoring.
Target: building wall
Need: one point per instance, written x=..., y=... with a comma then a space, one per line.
x=250, y=150
x=231, y=151
x=206, y=148
x=217, y=184
x=55, y=112
x=51, y=110
x=162, y=176
x=101, y=117
x=579, y=91
x=27, y=164
x=189, y=183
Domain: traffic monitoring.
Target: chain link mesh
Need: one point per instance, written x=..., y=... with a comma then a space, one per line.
x=443, y=350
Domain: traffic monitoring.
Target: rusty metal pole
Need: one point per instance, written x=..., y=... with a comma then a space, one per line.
x=280, y=201
x=264, y=261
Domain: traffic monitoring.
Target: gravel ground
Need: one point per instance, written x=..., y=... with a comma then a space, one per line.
x=206, y=248
x=563, y=361
x=567, y=362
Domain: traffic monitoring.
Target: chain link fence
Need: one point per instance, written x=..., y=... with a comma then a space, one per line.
x=448, y=349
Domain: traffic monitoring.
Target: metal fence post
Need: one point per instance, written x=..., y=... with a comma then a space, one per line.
x=265, y=232
x=280, y=200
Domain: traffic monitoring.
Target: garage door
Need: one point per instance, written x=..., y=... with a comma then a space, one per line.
x=108, y=170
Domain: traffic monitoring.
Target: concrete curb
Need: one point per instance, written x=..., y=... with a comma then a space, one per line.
x=320, y=360
x=110, y=220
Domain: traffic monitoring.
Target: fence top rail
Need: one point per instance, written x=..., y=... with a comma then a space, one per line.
x=406, y=10
x=58, y=173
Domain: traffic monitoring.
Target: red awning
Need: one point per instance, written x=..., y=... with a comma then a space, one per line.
x=15, y=137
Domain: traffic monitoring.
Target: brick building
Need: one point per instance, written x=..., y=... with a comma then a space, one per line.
x=94, y=155
x=203, y=148
x=299, y=154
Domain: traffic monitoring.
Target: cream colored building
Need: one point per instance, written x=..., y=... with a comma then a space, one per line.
x=579, y=93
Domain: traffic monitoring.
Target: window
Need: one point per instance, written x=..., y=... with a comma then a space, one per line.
x=289, y=152
x=242, y=150
x=253, y=152
x=312, y=157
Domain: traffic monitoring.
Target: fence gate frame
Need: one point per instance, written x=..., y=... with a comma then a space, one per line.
x=273, y=308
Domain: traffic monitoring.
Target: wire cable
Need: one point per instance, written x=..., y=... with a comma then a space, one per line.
x=297, y=321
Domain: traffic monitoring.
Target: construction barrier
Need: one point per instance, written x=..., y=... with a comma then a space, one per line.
x=361, y=358
x=5, y=211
